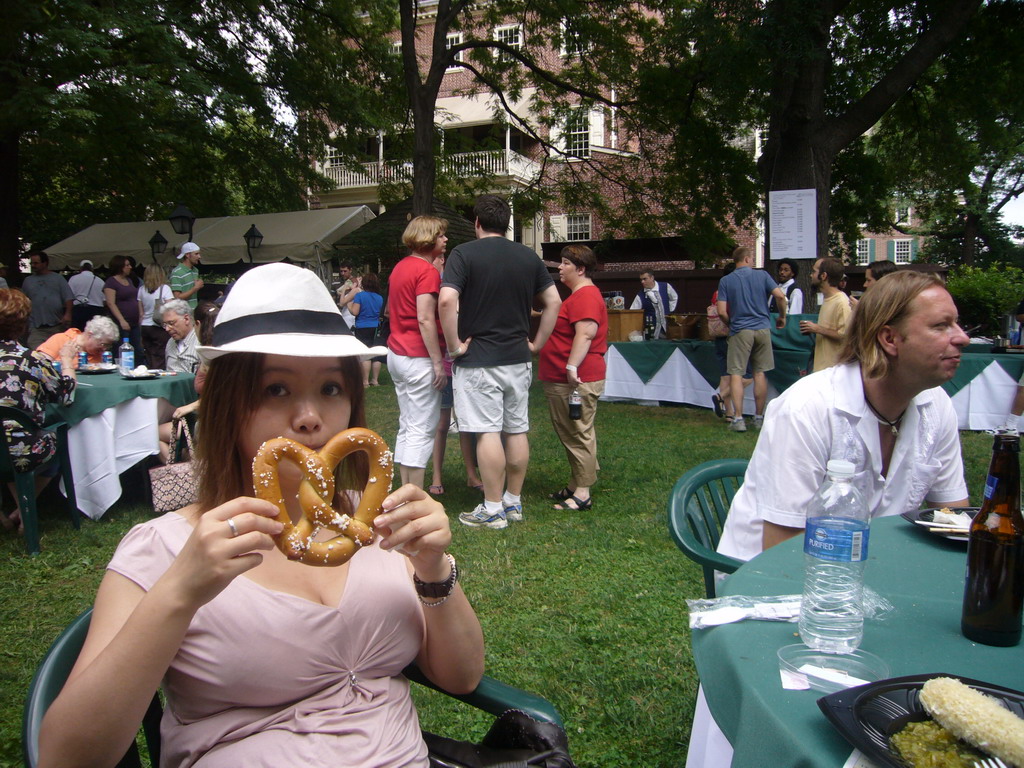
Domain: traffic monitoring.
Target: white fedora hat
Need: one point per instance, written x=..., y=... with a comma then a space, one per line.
x=280, y=309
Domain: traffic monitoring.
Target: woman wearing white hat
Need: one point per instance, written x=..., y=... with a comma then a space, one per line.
x=266, y=661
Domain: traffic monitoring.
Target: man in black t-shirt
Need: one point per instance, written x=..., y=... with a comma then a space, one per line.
x=487, y=292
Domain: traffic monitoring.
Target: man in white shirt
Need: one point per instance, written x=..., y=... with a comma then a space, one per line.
x=787, y=272
x=656, y=300
x=881, y=407
x=88, y=291
x=347, y=283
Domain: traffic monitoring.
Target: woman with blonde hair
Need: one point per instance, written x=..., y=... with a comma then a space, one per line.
x=153, y=292
x=416, y=345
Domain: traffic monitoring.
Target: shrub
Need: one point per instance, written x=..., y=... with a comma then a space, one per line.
x=984, y=296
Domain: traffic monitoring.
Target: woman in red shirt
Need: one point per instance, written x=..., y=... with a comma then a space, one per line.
x=416, y=345
x=572, y=360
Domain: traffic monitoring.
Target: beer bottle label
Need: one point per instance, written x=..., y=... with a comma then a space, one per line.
x=990, y=486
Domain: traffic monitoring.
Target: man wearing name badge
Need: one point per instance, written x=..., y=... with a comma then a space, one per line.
x=656, y=300
x=51, y=300
x=881, y=407
x=787, y=272
x=488, y=290
x=185, y=281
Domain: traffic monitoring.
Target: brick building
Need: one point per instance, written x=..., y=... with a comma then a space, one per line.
x=481, y=136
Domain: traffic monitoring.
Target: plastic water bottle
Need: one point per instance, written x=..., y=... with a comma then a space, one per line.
x=126, y=357
x=835, y=550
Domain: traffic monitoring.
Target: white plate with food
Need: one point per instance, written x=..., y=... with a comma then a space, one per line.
x=93, y=368
x=949, y=524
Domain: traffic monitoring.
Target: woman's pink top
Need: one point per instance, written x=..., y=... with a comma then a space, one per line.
x=265, y=678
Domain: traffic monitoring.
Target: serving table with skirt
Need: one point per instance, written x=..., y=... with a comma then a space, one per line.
x=114, y=424
x=687, y=372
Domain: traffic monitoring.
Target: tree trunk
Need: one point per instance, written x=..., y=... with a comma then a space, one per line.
x=424, y=162
x=10, y=241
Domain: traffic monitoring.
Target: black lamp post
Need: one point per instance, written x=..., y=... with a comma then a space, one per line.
x=253, y=239
x=182, y=220
x=157, y=244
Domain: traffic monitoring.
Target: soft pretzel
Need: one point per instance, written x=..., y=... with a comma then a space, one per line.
x=316, y=494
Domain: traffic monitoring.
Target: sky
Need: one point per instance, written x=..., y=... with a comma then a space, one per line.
x=1013, y=213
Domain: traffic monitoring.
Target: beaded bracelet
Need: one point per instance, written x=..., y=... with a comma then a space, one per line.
x=435, y=589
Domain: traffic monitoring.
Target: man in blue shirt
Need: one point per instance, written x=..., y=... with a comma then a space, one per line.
x=743, y=304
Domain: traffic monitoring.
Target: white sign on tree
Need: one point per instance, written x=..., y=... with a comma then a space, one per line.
x=792, y=224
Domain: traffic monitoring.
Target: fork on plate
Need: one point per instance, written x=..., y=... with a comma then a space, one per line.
x=990, y=762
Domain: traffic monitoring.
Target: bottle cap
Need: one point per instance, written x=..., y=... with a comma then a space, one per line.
x=840, y=467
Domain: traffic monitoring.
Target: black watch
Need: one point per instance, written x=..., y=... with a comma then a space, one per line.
x=436, y=589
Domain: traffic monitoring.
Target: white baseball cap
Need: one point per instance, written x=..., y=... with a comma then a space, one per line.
x=188, y=248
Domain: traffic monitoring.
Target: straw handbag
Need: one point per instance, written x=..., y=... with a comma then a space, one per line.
x=173, y=484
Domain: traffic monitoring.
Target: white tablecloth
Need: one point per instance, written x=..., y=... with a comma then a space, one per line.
x=105, y=445
x=677, y=381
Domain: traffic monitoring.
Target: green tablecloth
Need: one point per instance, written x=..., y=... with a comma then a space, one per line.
x=975, y=359
x=792, y=352
x=920, y=574
x=97, y=392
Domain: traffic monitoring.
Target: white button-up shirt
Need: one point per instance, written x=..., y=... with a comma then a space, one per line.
x=825, y=416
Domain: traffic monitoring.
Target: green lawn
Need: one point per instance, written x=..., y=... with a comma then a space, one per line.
x=586, y=609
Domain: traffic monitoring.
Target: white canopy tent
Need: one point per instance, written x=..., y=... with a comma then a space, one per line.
x=300, y=236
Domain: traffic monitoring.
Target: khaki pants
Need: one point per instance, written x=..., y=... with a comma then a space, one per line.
x=577, y=435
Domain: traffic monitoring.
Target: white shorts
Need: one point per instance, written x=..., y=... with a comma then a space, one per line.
x=419, y=407
x=494, y=399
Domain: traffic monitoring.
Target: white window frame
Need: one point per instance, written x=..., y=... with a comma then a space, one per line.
x=578, y=226
x=902, y=214
x=333, y=159
x=863, y=252
x=511, y=35
x=903, y=251
x=453, y=39
x=576, y=133
x=578, y=47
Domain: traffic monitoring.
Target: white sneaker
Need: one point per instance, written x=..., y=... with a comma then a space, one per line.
x=758, y=422
x=481, y=518
x=738, y=425
x=513, y=512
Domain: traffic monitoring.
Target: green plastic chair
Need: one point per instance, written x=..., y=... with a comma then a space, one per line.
x=25, y=483
x=697, y=510
x=490, y=696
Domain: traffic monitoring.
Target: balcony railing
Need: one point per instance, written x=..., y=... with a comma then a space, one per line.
x=494, y=163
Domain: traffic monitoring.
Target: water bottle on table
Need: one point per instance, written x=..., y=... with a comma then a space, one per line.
x=126, y=357
x=835, y=550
